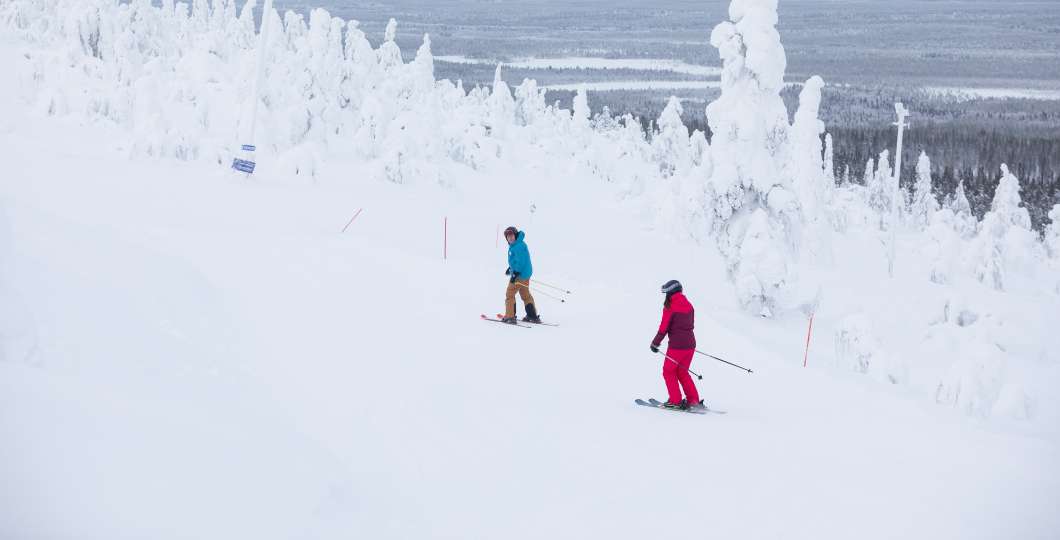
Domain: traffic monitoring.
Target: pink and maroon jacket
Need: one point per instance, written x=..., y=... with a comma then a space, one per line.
x=678, y=321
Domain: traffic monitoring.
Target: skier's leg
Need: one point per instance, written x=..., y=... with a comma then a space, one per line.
x=509, y=300
x=524, y=291
x=684, y=357
x=670, y=377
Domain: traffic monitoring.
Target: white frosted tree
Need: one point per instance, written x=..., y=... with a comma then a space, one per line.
x=1005, y=242
x=806, y=164
x=1052, y=232
x=829, y=160
x=751, y=197
x=959, y=204
x=581, y=112
x=501, y=106
x=989, y=256
x=879, y=194
x=529, y=102
x=325, y=59
x=1007, y=203
x=964, y=221
x=422, y=68
x=701, y=152
x=389, y=53
x=943, y=245
x=671, y=142
x=924, y=202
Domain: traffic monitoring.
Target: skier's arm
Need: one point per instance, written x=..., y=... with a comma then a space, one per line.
x=664, y=327
x=518, y=262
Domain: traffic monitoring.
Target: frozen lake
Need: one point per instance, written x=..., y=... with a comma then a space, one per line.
x=958, y=43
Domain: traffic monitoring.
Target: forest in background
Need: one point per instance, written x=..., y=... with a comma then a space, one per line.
x=955, y=43
x=966, y=139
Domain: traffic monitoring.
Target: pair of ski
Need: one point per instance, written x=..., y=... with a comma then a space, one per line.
x=523, y=324
x=651, y=402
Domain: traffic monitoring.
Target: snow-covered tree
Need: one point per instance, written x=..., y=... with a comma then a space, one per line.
x=422, y=68
x=389, y=53
x=1007, y=204
x=701, y=151
x=806, y=164
x=501, y=106
x=1005, y=241
x=959, y=204
x=990, y=256
x=1052, y=232
x=751, y=197
x=829, y=160
x=965, y=222
x=924, y=203
x=582, y=113
x=943, y=245
x=529, y=102
x=878, y=186
x=857, y=349
x=869, y=176
x=671, y=142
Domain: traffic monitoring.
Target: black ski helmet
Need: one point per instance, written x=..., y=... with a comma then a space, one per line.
x=512, y=231
x=671, y=287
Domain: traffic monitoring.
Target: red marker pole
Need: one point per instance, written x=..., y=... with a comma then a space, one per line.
x=351, y=219
x=809, y=331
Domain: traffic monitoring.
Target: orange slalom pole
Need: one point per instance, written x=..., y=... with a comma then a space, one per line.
x=809, y=331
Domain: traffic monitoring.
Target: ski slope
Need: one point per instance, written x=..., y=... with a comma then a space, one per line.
x=207, y=356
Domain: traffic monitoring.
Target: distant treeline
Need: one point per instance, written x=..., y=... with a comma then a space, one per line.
x=966, y=139
x=961, y=152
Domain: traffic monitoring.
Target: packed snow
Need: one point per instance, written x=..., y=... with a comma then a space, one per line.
x=186, y=351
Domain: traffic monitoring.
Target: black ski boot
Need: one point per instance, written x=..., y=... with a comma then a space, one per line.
x=683, y=406
x=531, y=314
x=698, y=406
x=509, y=320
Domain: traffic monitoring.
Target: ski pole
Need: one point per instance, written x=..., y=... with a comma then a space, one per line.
x=725, y=361
x=679, y=365
x=552, y=286
x=543, y=293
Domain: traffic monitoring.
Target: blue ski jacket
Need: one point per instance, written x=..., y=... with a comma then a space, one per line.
x=519, y=257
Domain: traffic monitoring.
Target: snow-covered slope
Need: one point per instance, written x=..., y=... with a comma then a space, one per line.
x=189, y=353
x=213, y=359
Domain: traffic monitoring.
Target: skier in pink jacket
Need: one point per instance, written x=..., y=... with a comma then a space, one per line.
x=678, y=321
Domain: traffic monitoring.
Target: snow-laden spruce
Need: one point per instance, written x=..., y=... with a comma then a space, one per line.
x=1052, y=232
x=755, y=214
x=924, y=202
x=1005, y=242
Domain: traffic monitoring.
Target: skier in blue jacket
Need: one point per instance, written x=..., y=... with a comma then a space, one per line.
x=519, y=269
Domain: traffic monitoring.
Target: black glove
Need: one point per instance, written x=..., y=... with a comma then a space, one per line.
x=512, y=280
x=508, y=272
x=654, y=348
x=515, y=276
